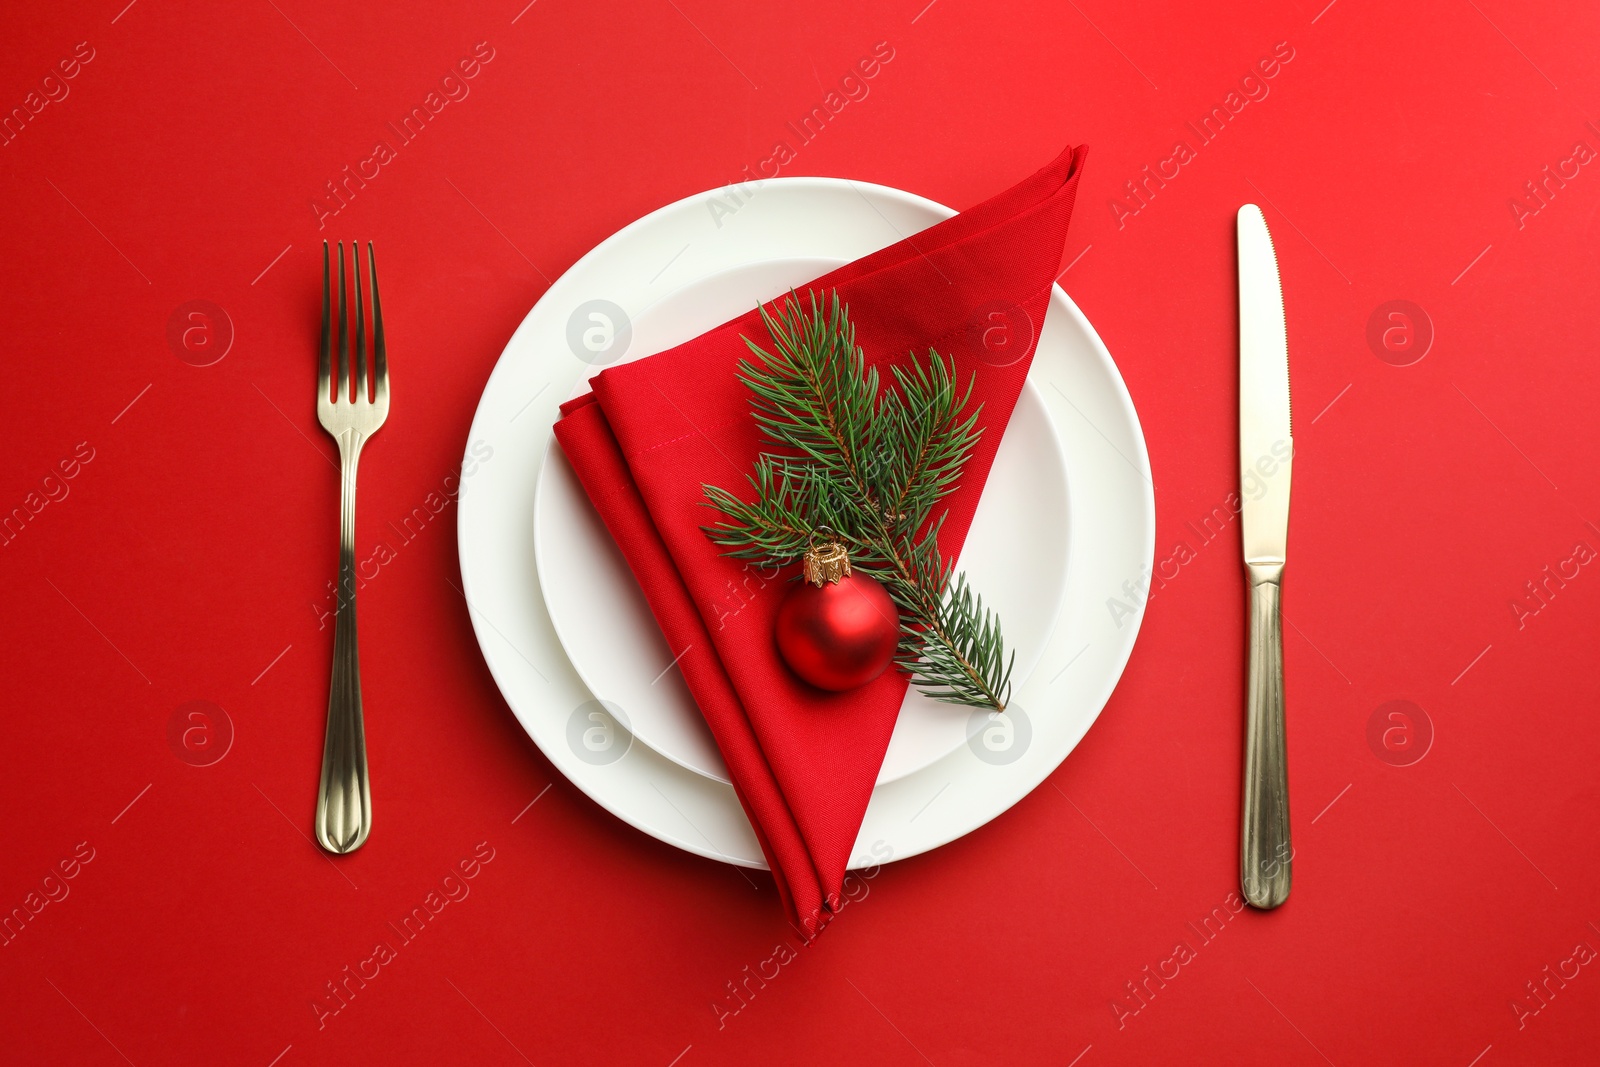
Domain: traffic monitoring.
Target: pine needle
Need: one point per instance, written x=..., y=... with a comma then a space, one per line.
x=870, y=461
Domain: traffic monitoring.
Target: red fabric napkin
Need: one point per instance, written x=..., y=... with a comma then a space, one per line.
x=803, y=762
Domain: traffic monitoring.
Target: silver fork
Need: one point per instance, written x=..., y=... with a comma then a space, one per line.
x=344, y=805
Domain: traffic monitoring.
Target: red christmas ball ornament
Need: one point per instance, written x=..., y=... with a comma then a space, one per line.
x=837, y=630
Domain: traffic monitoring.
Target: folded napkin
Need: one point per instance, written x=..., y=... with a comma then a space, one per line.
x=803, y=762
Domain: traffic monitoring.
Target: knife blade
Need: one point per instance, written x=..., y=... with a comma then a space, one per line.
x=1266, y=461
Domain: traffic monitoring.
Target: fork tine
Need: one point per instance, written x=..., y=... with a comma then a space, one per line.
x=361, y=326
x=342, y=393
x=323, y=382
x=380, y=354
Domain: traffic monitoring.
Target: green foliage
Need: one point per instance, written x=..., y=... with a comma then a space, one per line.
x=870, y=464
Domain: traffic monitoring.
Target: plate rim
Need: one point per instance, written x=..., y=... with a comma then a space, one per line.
x=953, y=827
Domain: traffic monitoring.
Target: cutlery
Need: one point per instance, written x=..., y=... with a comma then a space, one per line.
x=350, y=415
x=1266, y=455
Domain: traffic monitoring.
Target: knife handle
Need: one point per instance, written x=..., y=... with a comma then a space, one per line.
x=1266, y=854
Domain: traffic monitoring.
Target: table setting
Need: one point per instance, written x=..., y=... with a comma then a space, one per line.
x=822, y=540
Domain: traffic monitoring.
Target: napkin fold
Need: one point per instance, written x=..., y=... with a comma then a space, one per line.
x=803, y=762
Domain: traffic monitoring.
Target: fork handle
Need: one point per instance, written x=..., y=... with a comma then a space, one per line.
x=344, y=804
x=1266, y=854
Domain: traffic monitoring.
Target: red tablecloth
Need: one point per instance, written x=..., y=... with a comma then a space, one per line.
x=169, y=536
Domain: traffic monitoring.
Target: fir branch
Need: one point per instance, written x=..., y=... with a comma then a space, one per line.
x=870, y=462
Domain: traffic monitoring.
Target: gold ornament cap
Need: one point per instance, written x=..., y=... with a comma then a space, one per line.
x=826, y=563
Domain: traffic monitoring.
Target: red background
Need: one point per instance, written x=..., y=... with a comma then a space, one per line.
x=191, y=550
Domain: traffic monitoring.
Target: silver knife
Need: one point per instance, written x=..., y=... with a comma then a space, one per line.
x=1266, y=458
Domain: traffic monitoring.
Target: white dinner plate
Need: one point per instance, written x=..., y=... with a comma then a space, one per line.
x=668, y=277
x=1015, y=556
